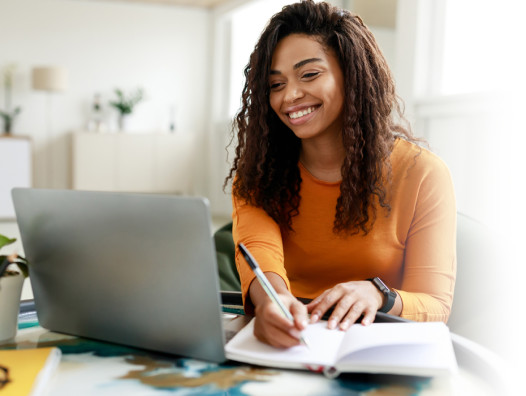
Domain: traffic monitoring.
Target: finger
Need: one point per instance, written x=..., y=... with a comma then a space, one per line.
x=268, y=333
x=368, y=317
x=340, y=311
x=278, y=339
x=274, y=328
x=327, y=300
x=299, y=312
x=311, y=308
x=270, y=313
x=352, y=315
x=316, y=301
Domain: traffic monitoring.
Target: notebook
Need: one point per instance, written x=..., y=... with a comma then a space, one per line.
x=133, y=269
x=412, y=348
x=30, y=370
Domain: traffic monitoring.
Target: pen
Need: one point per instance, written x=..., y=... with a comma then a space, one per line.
x=267, y=285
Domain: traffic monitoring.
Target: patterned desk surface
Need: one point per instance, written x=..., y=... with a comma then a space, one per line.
x=95, y=368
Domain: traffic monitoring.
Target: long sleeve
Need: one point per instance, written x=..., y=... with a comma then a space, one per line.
x=411, y=247
x=430, y=249
x=261, y=235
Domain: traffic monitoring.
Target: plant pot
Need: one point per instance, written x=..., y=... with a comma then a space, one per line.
x=10, y=293
x=124, y=122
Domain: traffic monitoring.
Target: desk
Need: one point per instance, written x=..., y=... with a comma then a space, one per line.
x=95, y=368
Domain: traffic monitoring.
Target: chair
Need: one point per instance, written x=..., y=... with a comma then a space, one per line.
x=226, y=264
x=475, y=309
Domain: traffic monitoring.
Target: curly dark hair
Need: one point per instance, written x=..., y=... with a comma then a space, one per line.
x=265, y=170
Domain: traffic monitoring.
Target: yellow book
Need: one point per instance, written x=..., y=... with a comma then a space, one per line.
x=29, y=370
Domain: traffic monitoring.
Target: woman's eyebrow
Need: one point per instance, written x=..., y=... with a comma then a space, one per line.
x=299, y=64
x=304, y=62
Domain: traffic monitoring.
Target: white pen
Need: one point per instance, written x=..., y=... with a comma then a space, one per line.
x=267, y=286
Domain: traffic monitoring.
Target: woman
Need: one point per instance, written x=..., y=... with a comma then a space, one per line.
x=330, y=193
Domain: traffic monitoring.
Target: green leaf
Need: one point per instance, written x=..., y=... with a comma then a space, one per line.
x=126, y=103
x=4, y=241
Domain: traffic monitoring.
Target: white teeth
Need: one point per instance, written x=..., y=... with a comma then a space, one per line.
x=301, y=113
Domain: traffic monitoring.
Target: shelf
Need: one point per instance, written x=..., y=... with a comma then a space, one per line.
x=153, y=163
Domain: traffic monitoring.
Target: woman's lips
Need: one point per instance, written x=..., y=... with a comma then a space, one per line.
x=303, y=115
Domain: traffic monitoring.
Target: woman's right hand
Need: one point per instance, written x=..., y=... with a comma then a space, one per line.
x=271, y=326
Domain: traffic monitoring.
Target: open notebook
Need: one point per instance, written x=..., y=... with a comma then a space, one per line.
x=423, y=349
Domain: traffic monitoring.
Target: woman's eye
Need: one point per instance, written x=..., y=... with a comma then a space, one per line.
x=310, y=75
x=275, y=85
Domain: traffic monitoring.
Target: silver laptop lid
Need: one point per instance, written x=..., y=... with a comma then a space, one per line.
x=133, y=269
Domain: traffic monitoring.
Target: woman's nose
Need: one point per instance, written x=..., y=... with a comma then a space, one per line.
x=293, y=92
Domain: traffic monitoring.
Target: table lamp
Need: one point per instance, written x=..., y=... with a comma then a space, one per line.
x=49, y=79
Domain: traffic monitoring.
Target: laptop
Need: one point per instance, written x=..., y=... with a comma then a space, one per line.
x=133, y=269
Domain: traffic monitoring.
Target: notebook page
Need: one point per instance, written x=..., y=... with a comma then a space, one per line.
x=360, y=337
x=323, y=346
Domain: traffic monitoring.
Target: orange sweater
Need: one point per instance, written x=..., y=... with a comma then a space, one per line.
x=412, y=249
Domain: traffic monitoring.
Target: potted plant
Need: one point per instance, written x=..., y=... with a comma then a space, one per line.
x=13, y=271
x=125, y=104
x=8, y=115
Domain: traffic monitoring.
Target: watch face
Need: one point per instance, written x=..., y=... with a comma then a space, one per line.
x=381, y=285
x=389, y=295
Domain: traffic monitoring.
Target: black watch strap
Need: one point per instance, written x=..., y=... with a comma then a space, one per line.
x=389, y=295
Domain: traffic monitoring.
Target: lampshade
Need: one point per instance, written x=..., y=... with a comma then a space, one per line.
x=50, y=78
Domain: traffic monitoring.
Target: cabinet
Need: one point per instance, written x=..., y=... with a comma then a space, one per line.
x=15, y=170
x=153, y=163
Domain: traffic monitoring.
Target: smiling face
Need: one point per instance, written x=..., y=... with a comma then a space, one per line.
x=306, y=87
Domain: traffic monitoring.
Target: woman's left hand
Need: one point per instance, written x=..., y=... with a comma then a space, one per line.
x=350, y=300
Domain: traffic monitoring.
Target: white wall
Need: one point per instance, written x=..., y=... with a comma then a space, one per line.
x=104, y=45
x=179, y=55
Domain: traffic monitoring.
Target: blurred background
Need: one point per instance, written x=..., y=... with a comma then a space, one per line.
x=458, y=64
x=455, y=64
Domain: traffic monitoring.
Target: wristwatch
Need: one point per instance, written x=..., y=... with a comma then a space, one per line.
x=389, y=295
